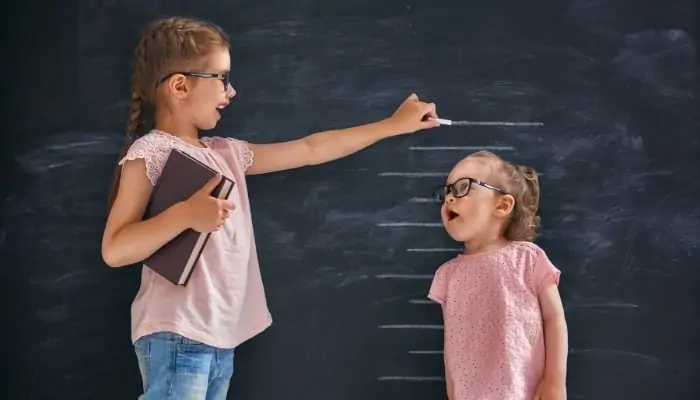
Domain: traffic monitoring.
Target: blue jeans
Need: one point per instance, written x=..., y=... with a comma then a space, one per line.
x=174, y=367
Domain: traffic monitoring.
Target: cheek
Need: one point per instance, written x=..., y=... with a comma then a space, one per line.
x=466, y=207
x=204, y=105
x=206, y=93
x=474, y=209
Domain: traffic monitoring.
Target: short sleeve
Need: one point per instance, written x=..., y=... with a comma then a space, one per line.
x=154, y=150
x=242, y=152
x=438, y=289
x=543, y=271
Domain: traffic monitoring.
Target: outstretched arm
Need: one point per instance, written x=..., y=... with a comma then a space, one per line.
x=322, y=147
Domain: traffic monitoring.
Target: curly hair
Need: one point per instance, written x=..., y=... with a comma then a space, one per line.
x=522, y=183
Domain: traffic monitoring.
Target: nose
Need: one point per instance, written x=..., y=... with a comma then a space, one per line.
x=230, y=91
x=449, y=198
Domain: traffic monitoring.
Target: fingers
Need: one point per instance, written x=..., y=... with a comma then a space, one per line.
x=209, y=186
x=430, y=117
x=227, y=205
x=413, y=107
x=225, y=211
x=430, y=111
x=223, y=216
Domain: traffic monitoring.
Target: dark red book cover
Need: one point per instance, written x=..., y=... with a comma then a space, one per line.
x=182, y=176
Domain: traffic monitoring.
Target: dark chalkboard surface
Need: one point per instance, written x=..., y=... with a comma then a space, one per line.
x=348, y=249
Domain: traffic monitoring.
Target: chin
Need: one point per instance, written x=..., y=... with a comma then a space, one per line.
x=206, y=126
x=456, y=234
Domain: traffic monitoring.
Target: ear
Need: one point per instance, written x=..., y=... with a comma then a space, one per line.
x=178, y=86
x=504, y=206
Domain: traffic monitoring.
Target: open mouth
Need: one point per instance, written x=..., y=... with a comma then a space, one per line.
x=451, y=215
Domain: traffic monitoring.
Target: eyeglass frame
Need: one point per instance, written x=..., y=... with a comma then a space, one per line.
x=450, y=188
x=223, y=77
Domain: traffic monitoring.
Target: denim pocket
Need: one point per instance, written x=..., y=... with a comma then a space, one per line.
x=186, y=345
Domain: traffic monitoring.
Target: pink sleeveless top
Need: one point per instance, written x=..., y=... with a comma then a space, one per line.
x=224, y=303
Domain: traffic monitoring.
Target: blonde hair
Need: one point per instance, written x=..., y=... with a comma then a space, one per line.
x=167, y=45
x=522, y=183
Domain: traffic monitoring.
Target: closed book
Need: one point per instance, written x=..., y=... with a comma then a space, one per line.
x=181, y=177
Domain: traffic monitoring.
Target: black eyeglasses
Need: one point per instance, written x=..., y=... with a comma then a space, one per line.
x=224, y=78
x=460, y=188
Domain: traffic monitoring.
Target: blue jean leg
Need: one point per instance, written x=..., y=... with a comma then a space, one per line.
x=220, y=375
x=176, y=368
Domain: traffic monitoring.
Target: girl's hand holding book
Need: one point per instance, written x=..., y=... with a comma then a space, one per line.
x=205, y=213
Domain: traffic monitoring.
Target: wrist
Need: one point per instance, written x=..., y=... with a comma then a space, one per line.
x=555, y=374
x=388, y=127
x=180, y=215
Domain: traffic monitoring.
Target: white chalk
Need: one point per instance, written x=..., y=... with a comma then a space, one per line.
x=404, y=276
x=448, y=122
x=411, y=326
x=423, y=200
x=461, y=148
x=425, y=352
x=434, y=250
x=410, y=224
x=422, y=301
x=415, y=174
x=412, y=378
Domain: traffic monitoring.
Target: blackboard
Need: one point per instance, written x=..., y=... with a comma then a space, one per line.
x=347, y=249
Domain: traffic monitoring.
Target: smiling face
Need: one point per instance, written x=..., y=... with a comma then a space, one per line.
x=474, y=208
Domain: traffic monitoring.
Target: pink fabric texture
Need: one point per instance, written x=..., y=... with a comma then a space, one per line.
x=494, y=339
x=224, y=302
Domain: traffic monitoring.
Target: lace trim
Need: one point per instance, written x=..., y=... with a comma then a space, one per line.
x=240, y=148
x=154, y=149
x=242, y=151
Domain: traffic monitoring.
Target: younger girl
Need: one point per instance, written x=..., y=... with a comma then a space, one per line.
x=505, y=332
x=184, y=336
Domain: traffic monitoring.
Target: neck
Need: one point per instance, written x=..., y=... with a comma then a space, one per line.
x=186, y=132
x=485, y=243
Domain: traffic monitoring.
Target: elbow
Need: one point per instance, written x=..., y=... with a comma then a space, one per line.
x=312, y=153
x=111, y=259
x=112, y=256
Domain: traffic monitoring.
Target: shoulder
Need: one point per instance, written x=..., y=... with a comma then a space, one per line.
x=446, y=269
x=526, y=252
x=148, y=146
x=150, y=143
x=537, y=265
x=441, y=281
x=154, y=149
x=242, y=152
x=222, y=142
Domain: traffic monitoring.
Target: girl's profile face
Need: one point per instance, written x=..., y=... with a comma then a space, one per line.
x=467, y=216
x=211, y=90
